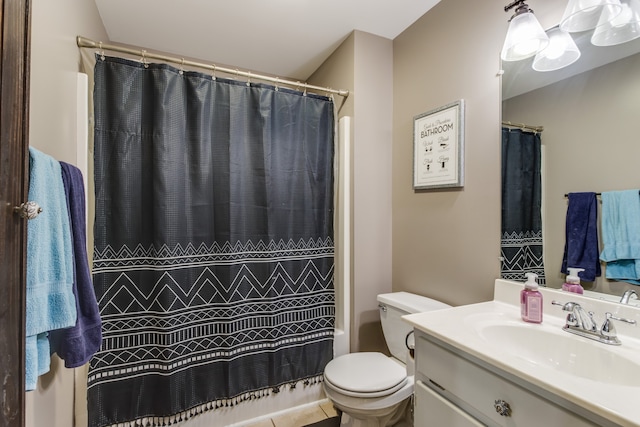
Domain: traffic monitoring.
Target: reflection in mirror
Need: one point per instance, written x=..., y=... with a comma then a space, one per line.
x=590, y=142
x=521, y=236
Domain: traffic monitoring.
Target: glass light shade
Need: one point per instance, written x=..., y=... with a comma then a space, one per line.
x=561, y=52
x=525, y=38
x=620, y=28
x=583, y=15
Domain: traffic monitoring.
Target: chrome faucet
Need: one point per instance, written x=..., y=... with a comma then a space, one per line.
x=577, y=317
x=581, y=322
x=627, y=295
x=608, y=330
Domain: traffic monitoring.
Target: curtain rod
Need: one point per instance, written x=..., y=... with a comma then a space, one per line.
x=524, y=127
x=88, y=43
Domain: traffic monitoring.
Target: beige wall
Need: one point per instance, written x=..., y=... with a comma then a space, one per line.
x=55, y=60
x=446, y=244
x=363, y=64
x=338, y=72
x=590, y=143
x=52, y=129
x=371, y=186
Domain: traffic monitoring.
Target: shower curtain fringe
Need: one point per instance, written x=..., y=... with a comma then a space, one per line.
x=209, y=406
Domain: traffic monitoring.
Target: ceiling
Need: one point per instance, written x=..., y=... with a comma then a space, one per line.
x=284, y=38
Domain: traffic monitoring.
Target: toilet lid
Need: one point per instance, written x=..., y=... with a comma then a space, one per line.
x=365, y=373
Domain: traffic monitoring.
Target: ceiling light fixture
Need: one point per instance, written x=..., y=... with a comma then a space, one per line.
x=561, y=52
x=525, y=36
x=618, y=29
x=583, y=15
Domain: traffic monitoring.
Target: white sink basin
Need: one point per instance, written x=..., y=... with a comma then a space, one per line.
x=556, y=349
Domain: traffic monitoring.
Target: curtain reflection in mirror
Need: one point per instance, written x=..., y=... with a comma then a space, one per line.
x=521, y=237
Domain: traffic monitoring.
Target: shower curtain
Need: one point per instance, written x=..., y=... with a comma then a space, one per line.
x=213, y=252
x=521, y=237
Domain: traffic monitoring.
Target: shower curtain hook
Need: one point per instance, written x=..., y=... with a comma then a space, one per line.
x=213, y=73
x=144, y=59
x=277, y=88
x=509, y=125
x=101, y=51
x=181, y=72
x=248, y=78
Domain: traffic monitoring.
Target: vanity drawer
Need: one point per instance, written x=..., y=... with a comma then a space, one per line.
x=476, y=390
x=431, y=409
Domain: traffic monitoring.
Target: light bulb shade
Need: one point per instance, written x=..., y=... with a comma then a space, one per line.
x=561, y=52
x=525, y=38
x=619, y=28
x=583, y=15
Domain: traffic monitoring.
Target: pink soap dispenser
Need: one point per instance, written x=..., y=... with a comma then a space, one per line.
x=531, y=300
x=572, y=282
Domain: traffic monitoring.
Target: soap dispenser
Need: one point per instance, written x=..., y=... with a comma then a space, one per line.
x=531, y=300
x=572, y=282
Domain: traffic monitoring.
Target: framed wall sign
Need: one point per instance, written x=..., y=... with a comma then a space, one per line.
x=438, y=147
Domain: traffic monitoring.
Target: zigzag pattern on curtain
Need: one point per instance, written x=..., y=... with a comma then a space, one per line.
x=165, y=329
x=132, y=337
x=141, y=257
x=521, y=253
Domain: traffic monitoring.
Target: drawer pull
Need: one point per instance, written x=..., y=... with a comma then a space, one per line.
x=502, y=408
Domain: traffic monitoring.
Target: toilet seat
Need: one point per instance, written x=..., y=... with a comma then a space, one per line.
x=366, y=374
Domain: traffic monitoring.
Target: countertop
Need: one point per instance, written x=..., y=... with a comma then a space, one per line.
x=461, y=328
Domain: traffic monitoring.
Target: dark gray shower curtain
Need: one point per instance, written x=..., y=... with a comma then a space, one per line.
x=213, y=257
x=521, y=238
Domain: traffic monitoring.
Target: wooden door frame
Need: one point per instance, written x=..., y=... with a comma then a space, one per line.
x=14, y=167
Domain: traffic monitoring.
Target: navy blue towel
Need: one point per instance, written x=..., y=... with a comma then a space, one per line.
x=76, y=345
x=581, y=245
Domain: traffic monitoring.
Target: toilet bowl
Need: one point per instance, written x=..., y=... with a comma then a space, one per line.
x=370, y=388
x=368, y=399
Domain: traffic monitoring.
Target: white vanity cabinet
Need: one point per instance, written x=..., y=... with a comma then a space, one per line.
x=454, y=390
x=431, y=409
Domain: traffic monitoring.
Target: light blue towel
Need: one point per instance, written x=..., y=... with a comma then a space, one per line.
x=37, y=359
x=50, y=300
x=621, y=235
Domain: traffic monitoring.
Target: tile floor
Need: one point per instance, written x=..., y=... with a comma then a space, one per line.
x=301, y=417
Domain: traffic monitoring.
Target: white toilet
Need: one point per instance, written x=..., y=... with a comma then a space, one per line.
x=372, y=389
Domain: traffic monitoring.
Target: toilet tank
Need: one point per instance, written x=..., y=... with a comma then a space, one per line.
x=396, y=304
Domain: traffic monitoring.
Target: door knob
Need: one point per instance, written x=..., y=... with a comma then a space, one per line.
x=28, y=210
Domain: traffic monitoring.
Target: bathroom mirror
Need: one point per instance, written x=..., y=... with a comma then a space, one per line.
x=589, y=111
